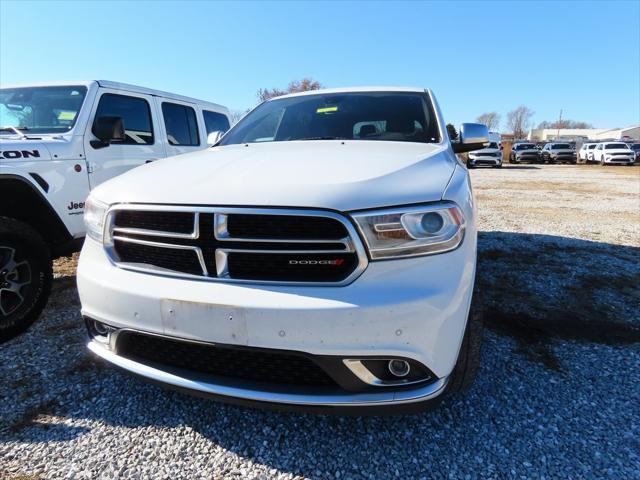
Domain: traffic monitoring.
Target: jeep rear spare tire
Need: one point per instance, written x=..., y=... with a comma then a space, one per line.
x=25, y=277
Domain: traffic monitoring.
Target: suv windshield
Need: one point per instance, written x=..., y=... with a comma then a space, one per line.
x=391, y=116
x=561, y=146
x=611, y=146
x=492, y=145
x=526, y=146
x=40, y=109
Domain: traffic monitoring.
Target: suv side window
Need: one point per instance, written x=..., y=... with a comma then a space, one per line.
x=181, y=124
x=135, y=114
x=215, y=122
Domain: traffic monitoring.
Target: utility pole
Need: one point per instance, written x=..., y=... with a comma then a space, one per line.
x=559, y=123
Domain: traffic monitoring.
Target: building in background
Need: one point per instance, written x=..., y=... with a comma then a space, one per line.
x=601, y=134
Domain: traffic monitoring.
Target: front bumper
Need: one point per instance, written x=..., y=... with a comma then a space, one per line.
x=485, y=161
x=412, y=308
x=563, y=157
x=620, y=160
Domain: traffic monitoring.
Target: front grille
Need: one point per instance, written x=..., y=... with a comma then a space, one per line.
x=486, y=154
x=280, y=226
x=241, y=363
x=236, y=244
x=178, y=222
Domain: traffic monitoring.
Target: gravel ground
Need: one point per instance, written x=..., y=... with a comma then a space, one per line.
x=557, y=396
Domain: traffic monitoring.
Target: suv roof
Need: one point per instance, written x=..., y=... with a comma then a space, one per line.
x=119, y=86
x=354, y=90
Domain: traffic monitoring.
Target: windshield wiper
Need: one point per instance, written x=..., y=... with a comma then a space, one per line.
x=15, y=130
x=323, y=138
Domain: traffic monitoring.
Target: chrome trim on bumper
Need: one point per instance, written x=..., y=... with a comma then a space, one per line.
x=337, y=399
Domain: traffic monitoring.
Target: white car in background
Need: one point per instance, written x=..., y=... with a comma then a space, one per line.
x=490, y=156
x=613, y=153
x=586, y=152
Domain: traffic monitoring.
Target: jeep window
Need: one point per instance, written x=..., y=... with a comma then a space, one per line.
x=611, y=146
x=561, y=146
x=492, y=145
x=40, y=109
x=592, y=146
x=135, y=113
x=215, y=122
x=181, y=124
x=526, y=146
x=389, y=116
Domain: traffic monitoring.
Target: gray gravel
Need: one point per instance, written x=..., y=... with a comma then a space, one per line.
x=558, y=392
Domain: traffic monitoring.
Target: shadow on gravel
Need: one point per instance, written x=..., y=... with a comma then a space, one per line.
x=539, y=289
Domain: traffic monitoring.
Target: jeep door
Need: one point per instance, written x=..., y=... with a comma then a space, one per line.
x=182, y=127
x=141, y=143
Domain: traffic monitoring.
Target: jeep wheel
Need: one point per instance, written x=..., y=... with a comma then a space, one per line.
x=25, y=277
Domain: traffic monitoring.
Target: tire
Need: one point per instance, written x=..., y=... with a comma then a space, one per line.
x=25, y=277
x=468, y=363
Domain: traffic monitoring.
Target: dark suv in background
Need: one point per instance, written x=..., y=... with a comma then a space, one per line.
x=636, y=148
x=524, y=152
x=558, y=153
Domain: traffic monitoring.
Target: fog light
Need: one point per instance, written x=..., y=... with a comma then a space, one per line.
x=399, y=368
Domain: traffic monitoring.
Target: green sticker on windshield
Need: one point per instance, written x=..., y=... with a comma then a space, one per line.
x=67, y=115
x=327, y=110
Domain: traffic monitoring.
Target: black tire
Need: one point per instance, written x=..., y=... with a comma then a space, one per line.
x=25, y=277
x=466, y=369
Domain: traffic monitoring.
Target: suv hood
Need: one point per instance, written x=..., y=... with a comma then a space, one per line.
x=562, y=151
x=338, y=175
x=20, y=150
x=619, y=150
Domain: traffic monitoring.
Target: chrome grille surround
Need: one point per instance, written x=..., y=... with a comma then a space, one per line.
x=352, y=243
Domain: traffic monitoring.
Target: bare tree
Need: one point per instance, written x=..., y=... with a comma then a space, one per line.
x=453, y=133
x=490, y=119
x=294, y=86
x=237, y=115
x=519, y=121
x=564, y=124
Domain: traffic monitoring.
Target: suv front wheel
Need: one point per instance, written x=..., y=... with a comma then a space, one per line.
x=25, y=277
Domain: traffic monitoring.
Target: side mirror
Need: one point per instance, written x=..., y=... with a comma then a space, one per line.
x=107, y=129
x=473, y=136
x=214, y=137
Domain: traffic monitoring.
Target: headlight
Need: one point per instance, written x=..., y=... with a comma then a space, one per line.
x=94, y=213
x=411, y=231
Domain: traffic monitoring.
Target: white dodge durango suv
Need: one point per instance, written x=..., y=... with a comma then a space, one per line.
x=321, y=255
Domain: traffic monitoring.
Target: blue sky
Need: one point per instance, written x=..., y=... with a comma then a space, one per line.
x=583, y=57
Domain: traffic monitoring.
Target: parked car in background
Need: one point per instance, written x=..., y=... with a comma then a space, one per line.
x=636, y=148
x=585, y=154
x=490, y=156
x=524, y=153
x=58, y=141
x=612, y=153
x=558, y=153
x=322, y=255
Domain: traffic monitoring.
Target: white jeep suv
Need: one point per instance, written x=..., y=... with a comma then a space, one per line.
x=321, y=255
